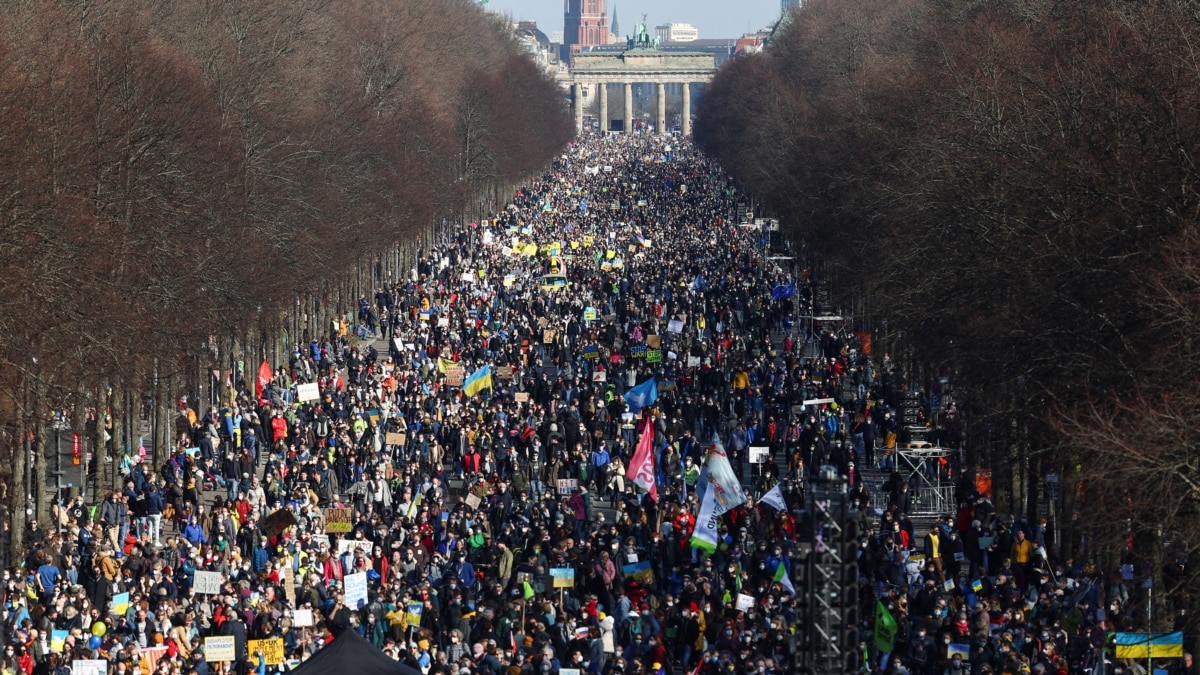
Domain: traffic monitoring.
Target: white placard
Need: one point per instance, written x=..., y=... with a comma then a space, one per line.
x=674, y=326
x=693, y=362
x=672, y=355
x=89, y=667
x=308, y=392
x=818, y=401
x=759, y=454
x=207, y=583
x=356, y=589
x=443, y=322
x=302, y=618
x=599, y=376
x=745, y=603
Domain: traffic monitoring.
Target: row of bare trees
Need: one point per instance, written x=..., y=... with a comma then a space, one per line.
x=183, y=181
x=1014, y=187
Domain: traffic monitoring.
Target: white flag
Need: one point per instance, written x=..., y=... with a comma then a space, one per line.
x=722, y=480
x=774, y=498
x=704, y=535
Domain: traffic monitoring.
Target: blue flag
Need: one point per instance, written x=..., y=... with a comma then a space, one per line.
x=784, y=292
x=642, y=395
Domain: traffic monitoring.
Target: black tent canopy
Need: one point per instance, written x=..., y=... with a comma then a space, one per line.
x=350, y=653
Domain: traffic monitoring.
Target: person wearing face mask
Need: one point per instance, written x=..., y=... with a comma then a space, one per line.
x=921, y=651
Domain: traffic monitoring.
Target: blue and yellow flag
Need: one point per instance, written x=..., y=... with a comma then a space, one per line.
x=1149, y=645
x=478, y=381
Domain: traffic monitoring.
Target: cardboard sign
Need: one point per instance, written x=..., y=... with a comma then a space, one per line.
x=654, y=341
x=308, y=392
x=356, y=589
x=455, y=376
x=208, y=583
x=278, y=521
x=394, y=438
x=472, y=500
x=548, y=337
x=759, y=454
x=521, y=396
x=564, y=577
x=220, y=648
x=289, y=583
x=302, y=618
x=338, y=520
x=745, y=603
x=504, y=372
x=272, y=650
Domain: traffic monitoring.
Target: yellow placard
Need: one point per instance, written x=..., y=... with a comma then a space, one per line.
x=272, y=650
x=610, y=254
x=575, y=245
x=588, y=240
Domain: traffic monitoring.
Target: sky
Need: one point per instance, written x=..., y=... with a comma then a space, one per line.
x=713, y=18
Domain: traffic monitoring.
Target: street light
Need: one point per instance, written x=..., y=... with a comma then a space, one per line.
x=58, y=425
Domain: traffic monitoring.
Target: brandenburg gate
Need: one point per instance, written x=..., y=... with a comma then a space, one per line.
x=640, y=64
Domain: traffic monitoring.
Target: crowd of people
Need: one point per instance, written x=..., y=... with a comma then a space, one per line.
x=470, y=498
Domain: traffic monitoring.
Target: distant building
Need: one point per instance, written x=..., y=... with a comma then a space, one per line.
x=676, y=32
x=614, y=29
x=585, y=24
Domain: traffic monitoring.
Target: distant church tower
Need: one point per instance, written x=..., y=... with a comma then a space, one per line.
x=614, y=29
x=585, y=24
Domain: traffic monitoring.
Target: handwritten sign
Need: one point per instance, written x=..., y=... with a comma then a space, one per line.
x=504, y=372
x=472, y=500
x=567, y=485
x=654, y=356
x=356, y=589
x=220, y=648
x=394, y=438
x=521, y=396
x=759, y=454
x=455, y=376
x=272, y=650
x=338, y=520
x=308, y=392
x=207, y=583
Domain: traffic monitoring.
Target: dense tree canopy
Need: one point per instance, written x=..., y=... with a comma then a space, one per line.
x=166, y=167
x=181, y=174
x=1013, y=186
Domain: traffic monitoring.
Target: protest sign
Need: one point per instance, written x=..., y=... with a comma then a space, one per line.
x=564, y=577
x=207, y=583
x=219, y=648
x=272, y=650
x=356, y=589
x=308, y=392
x=338, y=520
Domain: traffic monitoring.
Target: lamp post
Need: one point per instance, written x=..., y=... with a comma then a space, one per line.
x=58, y=425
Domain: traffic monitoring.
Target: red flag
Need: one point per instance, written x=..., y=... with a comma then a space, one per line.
x=641, y=466
x=265, y=375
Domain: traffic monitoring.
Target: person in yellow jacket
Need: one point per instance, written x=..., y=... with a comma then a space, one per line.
x=1022, y=553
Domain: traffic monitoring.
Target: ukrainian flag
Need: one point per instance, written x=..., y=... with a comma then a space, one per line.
x=444, y=363
x=478, y=381
x=1149, y=645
